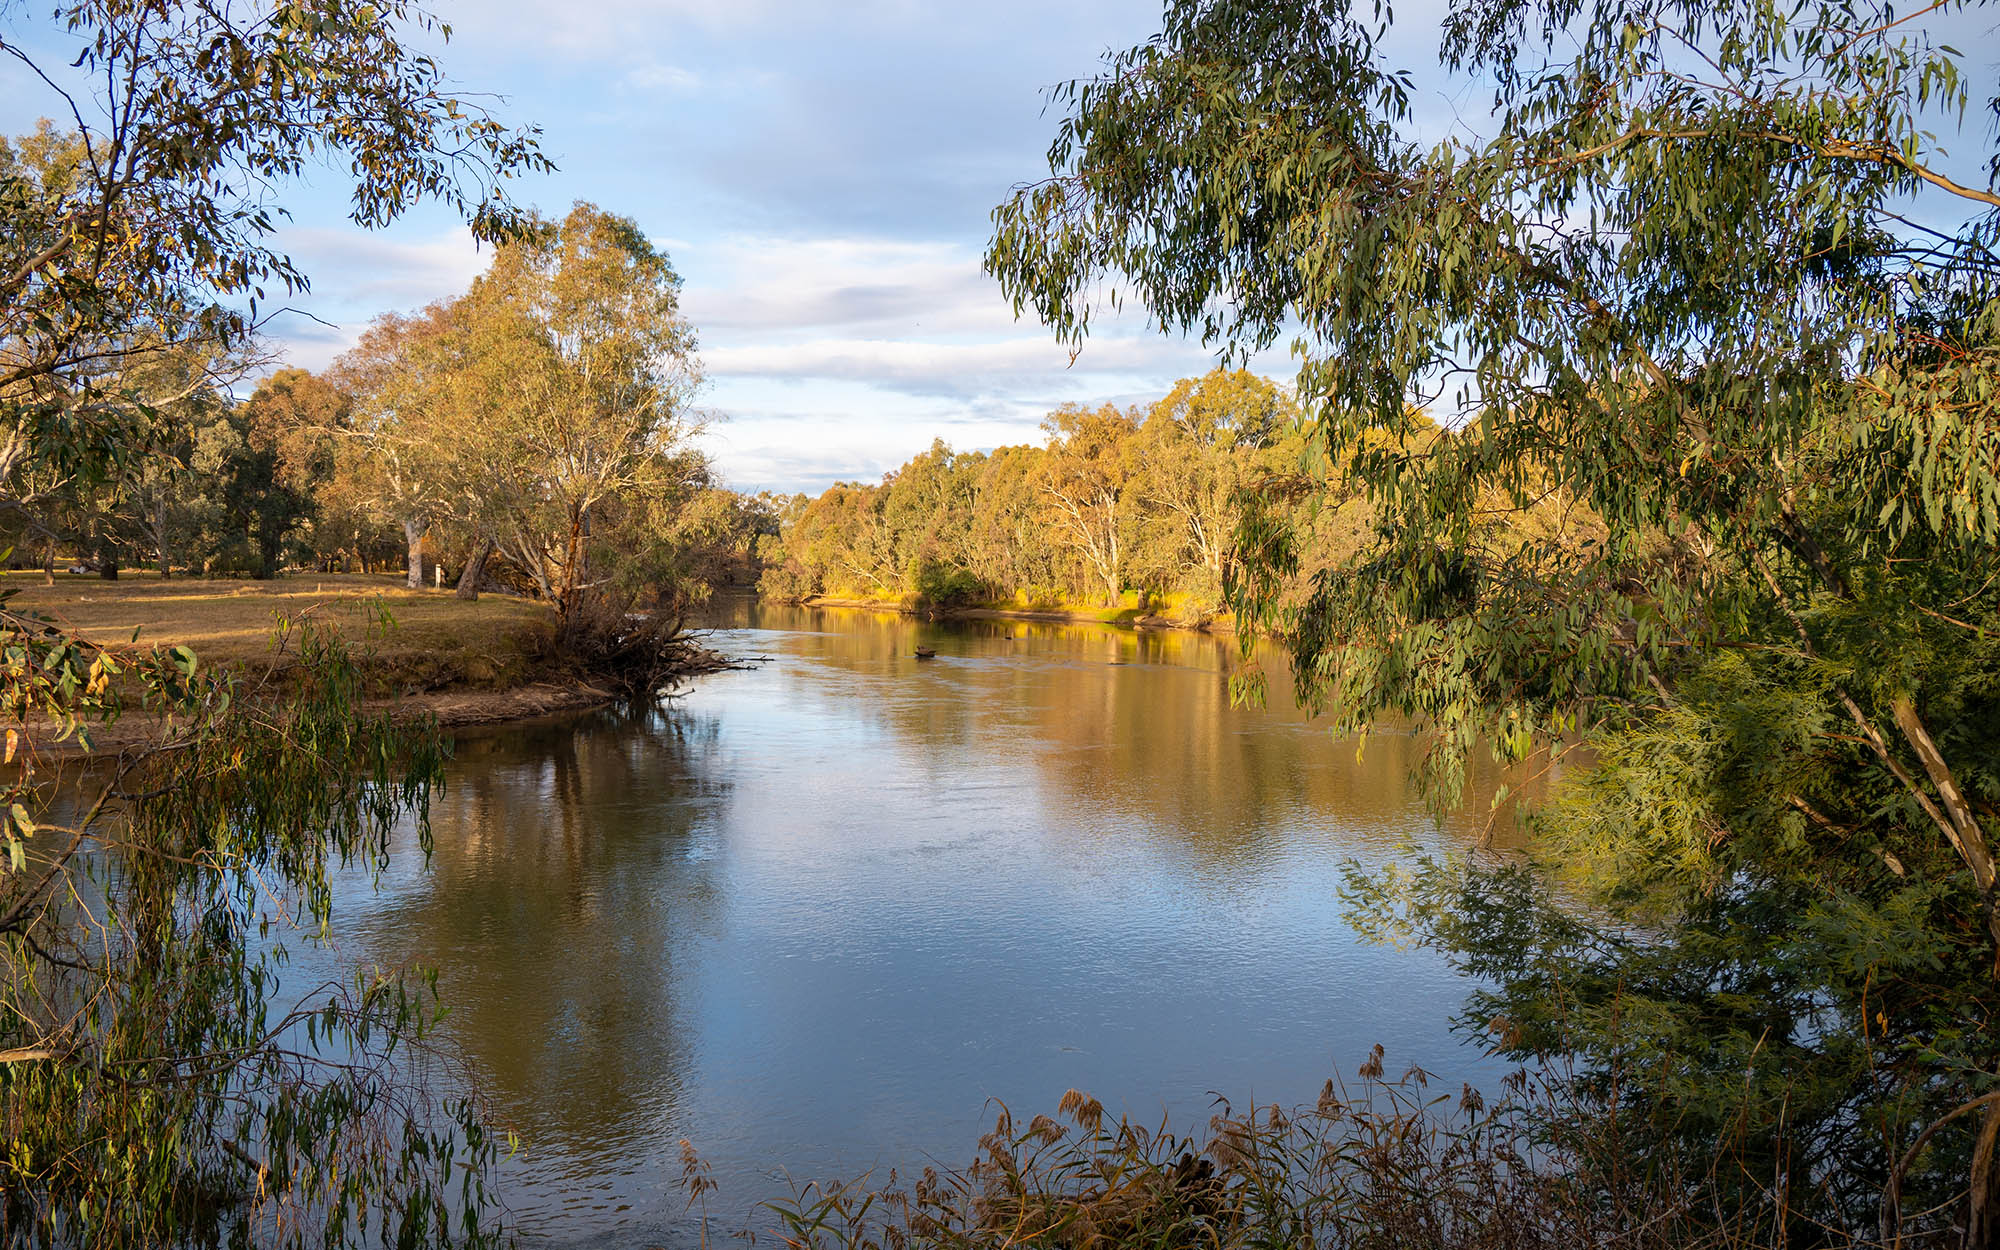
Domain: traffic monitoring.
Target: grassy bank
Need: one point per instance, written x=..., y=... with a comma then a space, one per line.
x=412, y=641
x=467, y=663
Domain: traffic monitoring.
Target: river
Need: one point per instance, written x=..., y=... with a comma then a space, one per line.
x=816, y=916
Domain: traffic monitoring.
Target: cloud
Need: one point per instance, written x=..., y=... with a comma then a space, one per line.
x=357, y=275
x=909, y=318
x=774, y=284
x=807, y=450
x=943, y=369
x=811, y=116
x=654, y=76
x=353, y=269
x=308, y=344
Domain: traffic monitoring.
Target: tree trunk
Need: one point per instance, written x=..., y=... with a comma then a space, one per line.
x=413, y=531
x=49, y=563
x=475, y=569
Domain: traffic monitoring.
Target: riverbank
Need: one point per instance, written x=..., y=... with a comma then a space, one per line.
x=463, y=662
x=1124, y=616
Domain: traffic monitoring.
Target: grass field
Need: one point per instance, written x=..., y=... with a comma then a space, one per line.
x=436, y=641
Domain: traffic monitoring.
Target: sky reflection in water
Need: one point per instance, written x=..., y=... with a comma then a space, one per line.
x=814, y=916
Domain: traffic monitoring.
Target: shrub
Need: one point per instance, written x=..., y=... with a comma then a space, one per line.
x=939, y=585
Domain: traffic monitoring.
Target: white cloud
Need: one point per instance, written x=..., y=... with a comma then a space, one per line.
x=654, y=76
x=308, y=344
x=357, y=275
x=354, y=269
x=772, y=284
x=938, y=368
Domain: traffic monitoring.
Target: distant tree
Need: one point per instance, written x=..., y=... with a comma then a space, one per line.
x=1011, y=543
x=398, y=447
x=927, y=504
x=846, y=541
x=1197, y=449
x=298, y=419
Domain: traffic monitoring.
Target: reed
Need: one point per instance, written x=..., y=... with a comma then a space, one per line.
x=1380, y=1163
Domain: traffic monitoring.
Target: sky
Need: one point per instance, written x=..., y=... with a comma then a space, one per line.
x=821, y=174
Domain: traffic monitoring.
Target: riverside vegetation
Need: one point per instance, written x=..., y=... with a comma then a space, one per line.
x=1122, y=513
x=1119, y=499
x=1659, y=417
x=151, y=1092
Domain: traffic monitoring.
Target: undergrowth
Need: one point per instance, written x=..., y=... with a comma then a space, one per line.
x=1386, y=1164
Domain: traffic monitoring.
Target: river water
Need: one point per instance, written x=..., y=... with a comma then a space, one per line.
x=815, y=916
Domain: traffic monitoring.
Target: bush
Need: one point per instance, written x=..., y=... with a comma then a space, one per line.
x=633, y=655
x=1388, y=1165
x=939, y=585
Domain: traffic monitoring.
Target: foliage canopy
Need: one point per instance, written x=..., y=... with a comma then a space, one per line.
x=157, y=1082
x=1711, y=273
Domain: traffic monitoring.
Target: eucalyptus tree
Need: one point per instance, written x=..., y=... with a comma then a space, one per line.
x=184, y=118
x=594, y=368
x=1007, y=537
x=1725, y=277
x=538, y=411
x=1084, y=483
x=158, y=1084
x=1199, y=449
x=299, y=420
x=400, y=446
x=928, y=505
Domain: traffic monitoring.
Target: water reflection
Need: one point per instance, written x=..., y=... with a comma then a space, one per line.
x=815, y=915
x=570, y=882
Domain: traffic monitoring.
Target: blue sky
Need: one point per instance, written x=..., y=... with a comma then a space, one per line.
x=821, y=174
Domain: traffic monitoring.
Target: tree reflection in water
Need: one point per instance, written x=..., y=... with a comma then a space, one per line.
x=814, y=915
x=571, y=876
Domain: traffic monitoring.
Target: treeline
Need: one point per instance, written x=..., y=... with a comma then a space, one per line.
x=1136, y=505
x=215, y=493
x=534, y=434
x=1120, y=499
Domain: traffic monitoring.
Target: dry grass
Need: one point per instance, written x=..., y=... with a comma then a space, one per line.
x=1386, y=1163
x=436, y=641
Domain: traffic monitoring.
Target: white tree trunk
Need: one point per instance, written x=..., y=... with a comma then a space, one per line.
x=414, y=529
